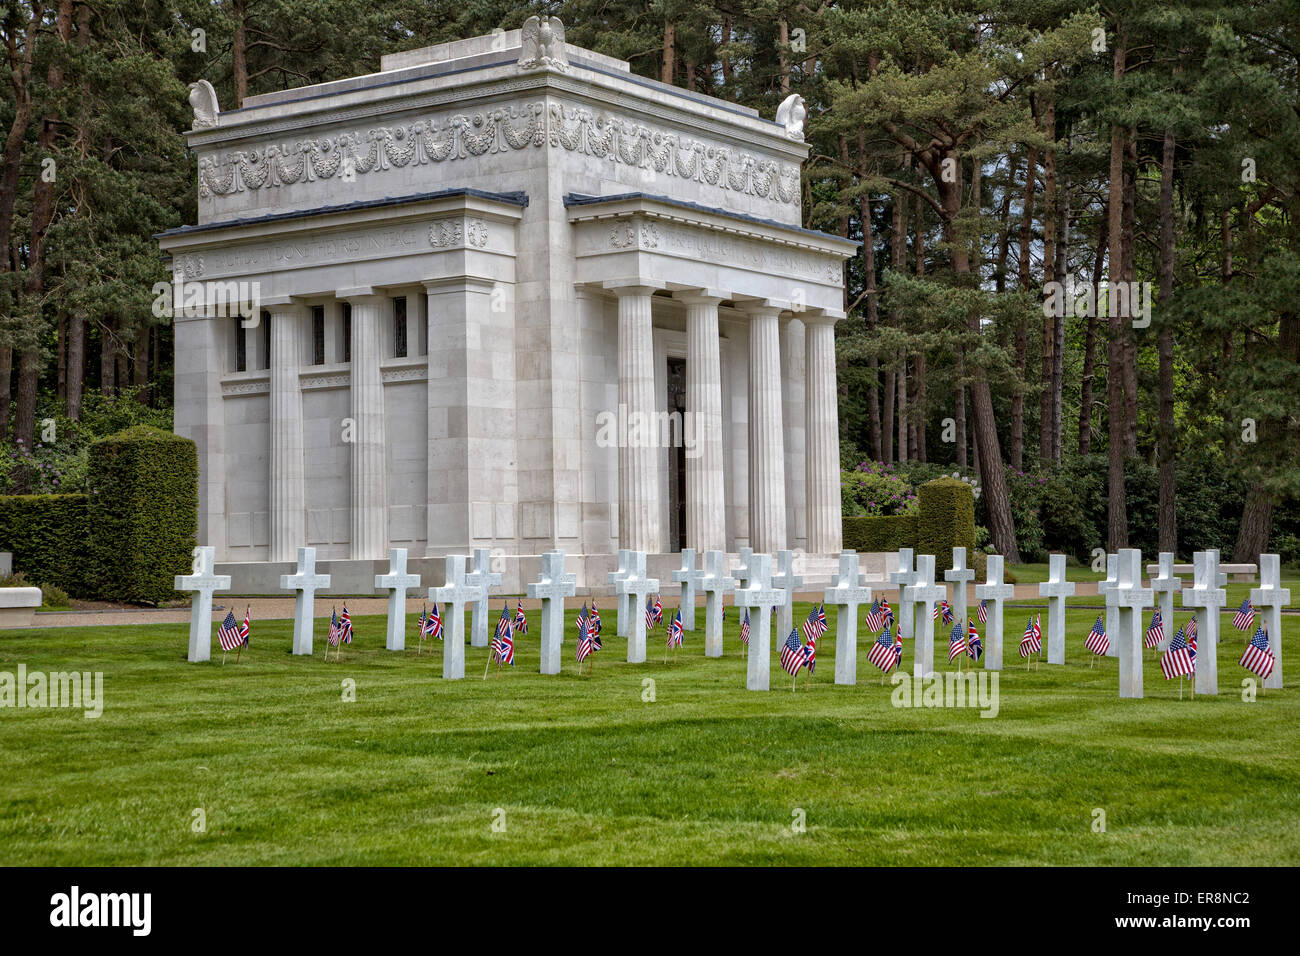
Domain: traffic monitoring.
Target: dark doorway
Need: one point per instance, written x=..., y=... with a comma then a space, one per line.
x=676, y=453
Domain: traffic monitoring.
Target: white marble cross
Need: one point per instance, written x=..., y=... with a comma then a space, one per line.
x=1269, y=599
x=1129, y=598
x=553, y=586
x=456, y=594
x=1056, y=589
x=920, y=597
x=306, y=582
x=1164, y=585
x=785, y=579
x=848, y=590
x=762, y=597
x=685, y=576
x=612, y=578
x=397, y=581
x=715, y=584
x=995, y=592
x=202, y=582
x=1204, y=594
x=482, y=576
x=959, y=574
x=1104, y=589
x=744, y=559
x=905, y=575
x=636, y=586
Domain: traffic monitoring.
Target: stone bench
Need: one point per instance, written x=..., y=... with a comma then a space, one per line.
x=1235, y=572
x=18, y=606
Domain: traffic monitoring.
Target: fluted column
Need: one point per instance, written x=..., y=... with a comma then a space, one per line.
x=822, y=436
x=640, y=517
x=705, y=496
x=369, y=474
x=767, y=529
x=288, y=486
x=793, y=430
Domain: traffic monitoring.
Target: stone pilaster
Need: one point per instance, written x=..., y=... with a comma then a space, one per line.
x=288, y=485
x=705, y=495
x=825, y=526
x=766, y=441
x=201, y=360
x=369, y=496
x=640, y=514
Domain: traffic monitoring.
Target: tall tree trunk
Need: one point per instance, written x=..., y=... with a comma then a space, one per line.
x=239, y=50
x=1117, y=503
x=887, y=417
x=20, y=72
x=107, y=359
x=6, y=388
x=1004, y=228
x=898, y=262
x=1017, y=451
x=1168, y=528
x=783, y=53
x=1090, y=344
x=872, y=309
x=916, y=432
x=726, y=59
x=904, y=421
x=1129, y=336
x=1256, y=524
x=1046, y=450
x=1061, y=272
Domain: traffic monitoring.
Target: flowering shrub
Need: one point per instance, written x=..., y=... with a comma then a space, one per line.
x=873, y=488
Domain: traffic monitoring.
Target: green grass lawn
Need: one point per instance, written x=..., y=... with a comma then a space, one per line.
x=587, y=772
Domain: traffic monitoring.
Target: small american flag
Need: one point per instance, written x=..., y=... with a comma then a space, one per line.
x=1245, y=616
x=345, y=625
x=336, y=630
x=654, y=612
x=585, y=646
x=1097, y=641
x=505, y=624
x=1258, y=657
x=1193, y=629
x=1032, y=642
x=521, y=621
x=974, y=646
x=984, y=611
x=433, y=623
x=815, y=624
x=886, y=653
x=1180, y=659
x=503, y=644
x=229, y=633
x=875, y=617
x=793, y=656
x=744, y=629
x=1156, y=632
x=956, y=643
x=675, y=630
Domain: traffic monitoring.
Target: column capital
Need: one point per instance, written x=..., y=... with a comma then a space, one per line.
x=758, y=308
x=701, y=296
x=284, y=305
x=458, y=283
x=357, y=295
x=633, y=285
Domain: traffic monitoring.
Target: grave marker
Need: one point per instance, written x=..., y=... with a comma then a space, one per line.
x=715, y=584
x=847, y=591
x=482, y=576
x=636, y=586
x=397, y=581
x=1129, y=598
x=762, y=597
x=904, y=576
x=202, y=582
x=785, y=579
x=552, y=587
x=1269, y=599
x=612, y=578
x=920, y=597
x=959, y=574
x=1056, y=589
x=685, y=576
x=1104, y=589
x=306, y=582
x=995, y=592
x=455, y=594
x=1164, y=585
x=1205, y=594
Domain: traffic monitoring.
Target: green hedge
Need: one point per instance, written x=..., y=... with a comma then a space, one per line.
x=47, y=535
x=144, y=499
x=880, y=533
x=946, y=520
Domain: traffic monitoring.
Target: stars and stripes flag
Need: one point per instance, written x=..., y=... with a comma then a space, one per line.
x=1245, y=616
x=585, y=645
x=793, y=656
x=814, y=626
x=521, y=621
x=956, y=643
x=1258, y=657
x=1156, y=632
x=744, y=629
x=1180, y=659
x=1097, y=641
x=1032, y=641
x=875, y=617
x=230, y=634
x=944, y=608
x=1193, y=629
x=345, y=625
x=974, y=646
x=654, y=612
x=676, y=632
x=503, y=643
x=336, y=631
x=433, y=623
x=887, y=652
x=984, y=611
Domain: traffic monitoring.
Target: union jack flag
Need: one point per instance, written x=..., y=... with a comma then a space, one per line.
x=811, y=651
x=503, y=644
x=814, y=626
x=887, y=612
x=585, y=645
x=793, y=655
x=984, y=611
x=944, y=608
x=594, y=617
x=654, y=612
x=956, y=643
x=336, y=630
x=974, y=646
x=433, y=623
x=345, y=625
x=875, y=617
x=1032, y=642
x=1097, y=641
x=744, y=629
x=1258, y=658
x=886, y=653
x=1180, y=659
x=230, y=634
x=521, y=622
x=1156, y=632
x=1245, y=616
x=675, y=630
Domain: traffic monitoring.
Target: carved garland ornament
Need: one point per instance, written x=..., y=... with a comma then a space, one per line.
x=464, y=136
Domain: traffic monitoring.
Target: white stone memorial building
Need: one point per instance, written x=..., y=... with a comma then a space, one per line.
x=507, y=295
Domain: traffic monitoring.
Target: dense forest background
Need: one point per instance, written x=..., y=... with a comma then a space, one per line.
x=981, y=150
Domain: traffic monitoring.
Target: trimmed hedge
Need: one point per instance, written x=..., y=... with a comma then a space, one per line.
x=946, y=520
x=48, y=536
x=880, y=533
x=144, y=501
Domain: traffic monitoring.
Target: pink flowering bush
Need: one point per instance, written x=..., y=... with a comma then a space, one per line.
x=873, y=488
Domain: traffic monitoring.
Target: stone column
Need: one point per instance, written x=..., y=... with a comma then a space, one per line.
x=793, y=432
x=369, y=472
x=767, y=531
x=288, y=484
x=825, y=523
x=705, y=497
x=640, y=517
